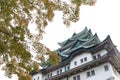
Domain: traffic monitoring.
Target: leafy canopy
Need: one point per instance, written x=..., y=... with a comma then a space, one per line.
x=16, y=41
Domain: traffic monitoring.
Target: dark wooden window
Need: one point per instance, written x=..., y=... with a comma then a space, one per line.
x=81, y=60
x=78, y=77
x=68, y=67
x=88, y=74
x=92, y=72
x=38, y=78
x=60, y=70
x=94, y=57
x=75, y=63
x=85, y=59
x=48, y=76
x=74, y=78
x=51, y=75
x=98, y=55
x=106, y=67
x=57, y=72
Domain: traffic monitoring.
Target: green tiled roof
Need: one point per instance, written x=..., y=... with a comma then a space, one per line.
x=74, y=36
x=84, y=39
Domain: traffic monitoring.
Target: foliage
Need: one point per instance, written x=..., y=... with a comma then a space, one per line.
x=16, y=39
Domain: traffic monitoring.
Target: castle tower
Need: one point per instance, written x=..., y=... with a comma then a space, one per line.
x=83, y=57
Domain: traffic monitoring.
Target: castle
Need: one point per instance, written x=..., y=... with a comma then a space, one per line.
x=83, y=57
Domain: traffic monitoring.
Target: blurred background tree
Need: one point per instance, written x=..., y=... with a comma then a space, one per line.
x=16, y=40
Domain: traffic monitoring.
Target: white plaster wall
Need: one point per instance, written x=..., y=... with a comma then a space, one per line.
x=78, y=58
x=100, y=73
x=55, y=72
x=35, y=77
x=101, y=52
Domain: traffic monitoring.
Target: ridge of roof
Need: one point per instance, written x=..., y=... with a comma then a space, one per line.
x=72, y=40
x=85, y=30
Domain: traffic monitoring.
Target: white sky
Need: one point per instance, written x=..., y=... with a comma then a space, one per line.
x=103, y=19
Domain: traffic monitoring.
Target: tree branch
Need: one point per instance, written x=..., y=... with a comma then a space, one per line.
x=9, y=34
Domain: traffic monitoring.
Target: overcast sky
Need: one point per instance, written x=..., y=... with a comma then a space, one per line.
x=103, y=19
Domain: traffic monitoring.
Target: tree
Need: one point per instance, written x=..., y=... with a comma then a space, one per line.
x=16, y=39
